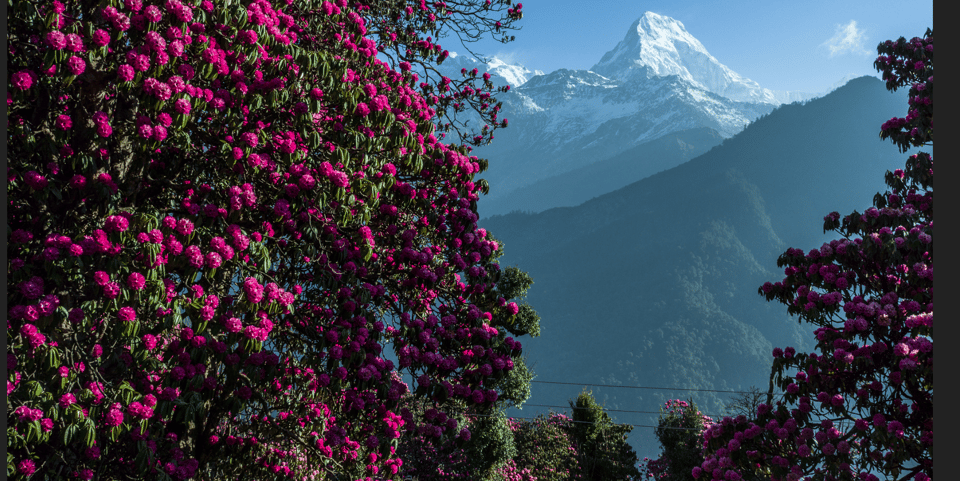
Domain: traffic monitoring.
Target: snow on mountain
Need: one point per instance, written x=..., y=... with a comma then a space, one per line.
x=514, y=75
x=501, y=72
x=657, y=45
x=576, y=103
x=657, y=81
x=571, y=118
x=790, y=96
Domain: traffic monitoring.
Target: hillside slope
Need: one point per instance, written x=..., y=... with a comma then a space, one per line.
x=655, y=284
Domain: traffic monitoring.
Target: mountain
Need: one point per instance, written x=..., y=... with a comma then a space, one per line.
x=580, y=185
x=655, y=284
x=658, y=81
x=656, y=45
x=501, y=72
x=569, y=119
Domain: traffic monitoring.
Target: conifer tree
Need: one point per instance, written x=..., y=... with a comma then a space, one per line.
x=602, y=444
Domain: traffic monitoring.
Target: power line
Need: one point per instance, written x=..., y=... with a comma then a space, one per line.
x=571, y=420
x=609, y=410
x=644, y=387
x=589, y=422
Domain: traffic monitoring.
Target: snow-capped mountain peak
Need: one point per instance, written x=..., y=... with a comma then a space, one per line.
x=656, y=45
x=651, y=42
x=514, y=75
x=502, y=72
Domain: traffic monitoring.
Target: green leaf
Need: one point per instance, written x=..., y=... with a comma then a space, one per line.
x=34, y=388
x=68, y=433
x=53, y=358
x=141, y=459
x=48, y=59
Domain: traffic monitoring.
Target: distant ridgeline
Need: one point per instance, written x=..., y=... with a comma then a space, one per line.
x=655, y=100
x=655, y=284
x=584, y=183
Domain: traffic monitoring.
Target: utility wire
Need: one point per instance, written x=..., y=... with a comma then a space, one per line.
x=643, y=387
x=609, y=410
x=589, y=422
x=571, y=420
x=714, y=416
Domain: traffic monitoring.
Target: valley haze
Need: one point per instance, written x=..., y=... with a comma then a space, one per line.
x=649, y=198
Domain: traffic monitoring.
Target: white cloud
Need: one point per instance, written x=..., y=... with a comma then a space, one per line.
x=511, y=57
x=847, y=39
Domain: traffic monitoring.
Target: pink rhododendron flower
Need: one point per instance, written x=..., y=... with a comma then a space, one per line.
x=184, y=227
x=111, y=290
x=64, y=122
x=74, y=42
x=362, y=109
x=93, y=452
x=56, y=40
x=76, y=65
x=136, y=281
x=159, y=133
x=101, y=38
x=23, y=79
x=127, y=314
x=233, y=325
x=116, y=223
x=249, y=138
x=339, y=179
x=114, y=416
x=253, y=290
x=213, y=260
x=125, y=72
x=104, y=130
x=67, y=399
x=35, y=180
x=32, y=288
x=26, y=467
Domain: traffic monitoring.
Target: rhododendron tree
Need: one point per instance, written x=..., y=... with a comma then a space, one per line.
x=401, y=26
x=546, y=450
x=484, y=442
x=482, y=445
x=680, y=432
x=221, y=214
x=861, y=407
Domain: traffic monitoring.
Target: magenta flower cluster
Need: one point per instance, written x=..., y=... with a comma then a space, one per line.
x=863, y=402
x=221, y=223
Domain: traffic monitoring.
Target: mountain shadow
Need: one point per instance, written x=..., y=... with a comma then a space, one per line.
x=577, y=186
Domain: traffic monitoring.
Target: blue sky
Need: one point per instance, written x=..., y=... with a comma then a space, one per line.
x=806, y=45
